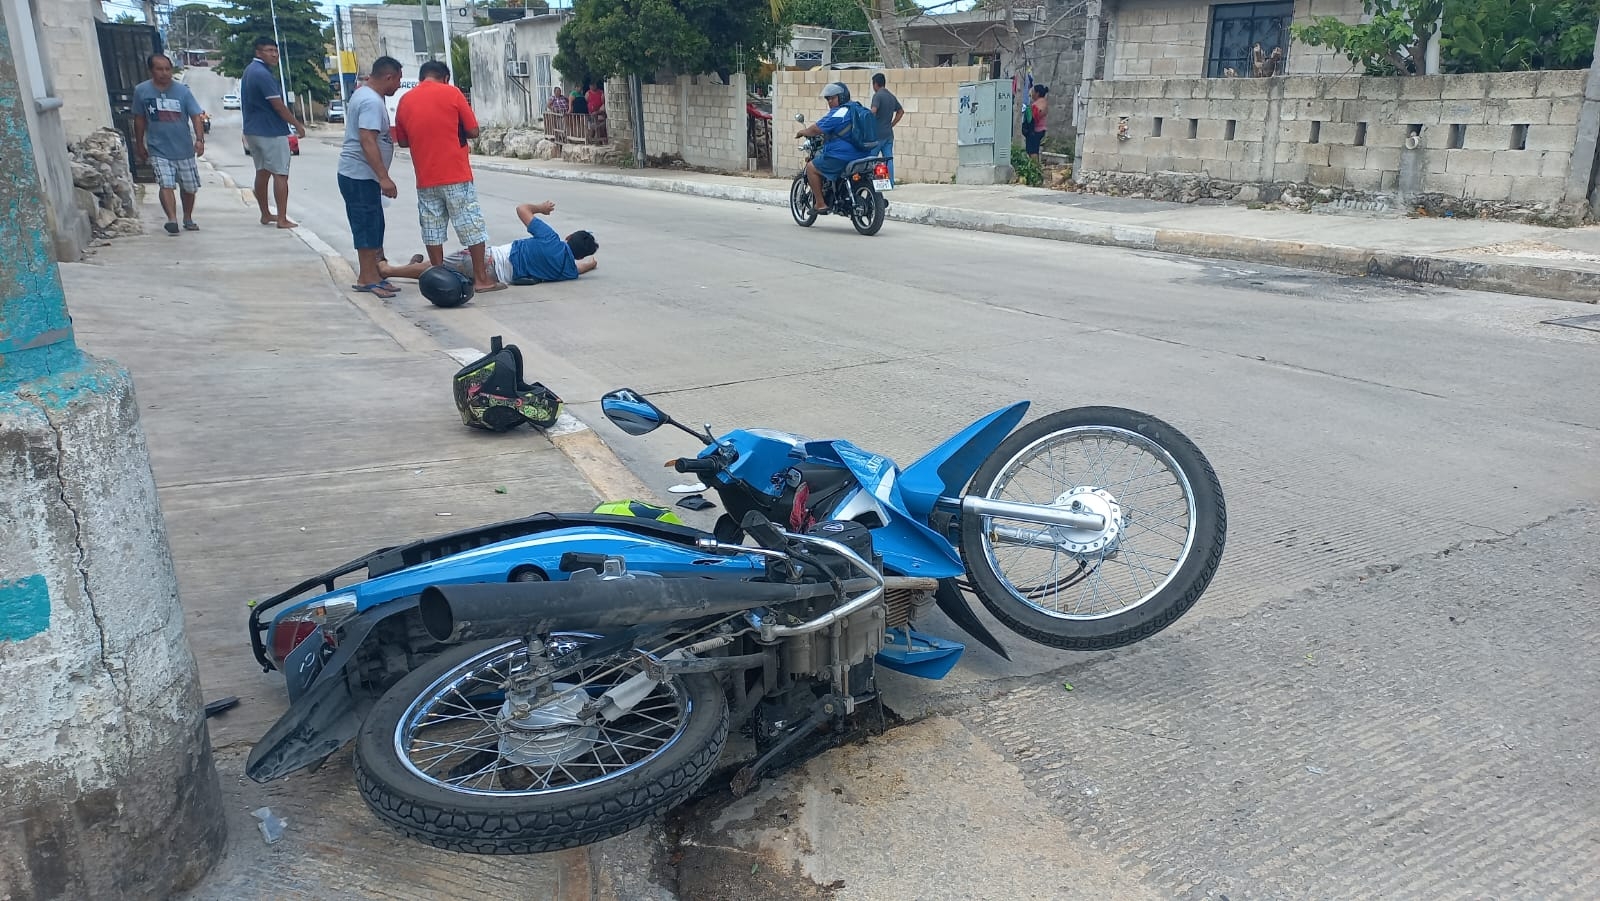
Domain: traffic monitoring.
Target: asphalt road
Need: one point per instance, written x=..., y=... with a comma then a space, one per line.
x=1389, y=689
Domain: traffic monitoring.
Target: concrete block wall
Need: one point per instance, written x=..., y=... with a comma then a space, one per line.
x=715, y=123
x=1169, y=38
x=661, y=119
x=925, y=141
x=1505, y=138
x=71, y=50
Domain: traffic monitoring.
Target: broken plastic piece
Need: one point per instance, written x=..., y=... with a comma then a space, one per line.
x=696, y=502
x=271, y=826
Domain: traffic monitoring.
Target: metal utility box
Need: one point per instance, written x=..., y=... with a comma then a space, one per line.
x=983, y=132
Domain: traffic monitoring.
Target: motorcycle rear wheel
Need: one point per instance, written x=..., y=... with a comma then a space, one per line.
x=866, y=213
x=434, y=758
x=802, y=206
x=1083, y=590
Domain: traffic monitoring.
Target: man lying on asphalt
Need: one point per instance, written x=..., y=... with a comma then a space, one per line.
x=543, y=256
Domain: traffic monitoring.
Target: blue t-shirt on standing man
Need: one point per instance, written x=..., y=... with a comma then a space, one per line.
x=257, y=87
x=169, y=118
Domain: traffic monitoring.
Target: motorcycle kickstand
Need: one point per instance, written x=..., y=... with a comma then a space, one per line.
x=827, y=708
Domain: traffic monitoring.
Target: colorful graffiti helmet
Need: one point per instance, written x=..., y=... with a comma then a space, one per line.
x=490, y=393
x=444, y=286
x=639, y=509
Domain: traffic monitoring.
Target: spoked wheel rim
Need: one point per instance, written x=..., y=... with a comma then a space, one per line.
x=460, y=734
x=1141, y=493
x=864, y=209
x=802, y=205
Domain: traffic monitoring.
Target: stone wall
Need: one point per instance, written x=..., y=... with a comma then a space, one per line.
x=924, y=142
x=1168, y=38
x=1499, y=144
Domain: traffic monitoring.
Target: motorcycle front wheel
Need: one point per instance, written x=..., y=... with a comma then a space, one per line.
x=866, y=213
x=443, y=758
x=1164, y=527
x=802, y=206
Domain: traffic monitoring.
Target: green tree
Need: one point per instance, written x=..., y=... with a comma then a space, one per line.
x=644, y=37
x=1478, y=35
x=1393, y=42
x=197, y=26
x=300, y=41
x=460, y=63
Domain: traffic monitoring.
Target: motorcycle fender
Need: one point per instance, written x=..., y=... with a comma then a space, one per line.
x=953, y=604
x=326, y=713
x=948, y=468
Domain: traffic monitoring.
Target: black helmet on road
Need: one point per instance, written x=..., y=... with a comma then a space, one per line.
x=836, y=89
x=445, y=287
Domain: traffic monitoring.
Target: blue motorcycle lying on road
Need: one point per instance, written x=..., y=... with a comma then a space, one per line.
x=559, y=679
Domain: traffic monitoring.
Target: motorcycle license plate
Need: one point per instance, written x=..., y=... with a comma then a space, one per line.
x=883, y=184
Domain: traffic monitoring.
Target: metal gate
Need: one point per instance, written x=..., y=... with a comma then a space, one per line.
x=124, y=49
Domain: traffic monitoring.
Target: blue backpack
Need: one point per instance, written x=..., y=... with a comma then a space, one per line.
x=863, y=127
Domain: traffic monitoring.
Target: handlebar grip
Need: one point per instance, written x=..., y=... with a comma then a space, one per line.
x=696, y=465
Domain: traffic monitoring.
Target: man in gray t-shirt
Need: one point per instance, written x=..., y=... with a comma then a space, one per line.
x=364, y=171
x=886, y=108
x=169, y=130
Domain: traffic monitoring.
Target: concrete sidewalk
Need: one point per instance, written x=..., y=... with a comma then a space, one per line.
x=1471, y=254
x=290, y=430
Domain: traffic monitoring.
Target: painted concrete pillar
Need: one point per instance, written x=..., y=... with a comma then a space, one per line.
x=107, y=787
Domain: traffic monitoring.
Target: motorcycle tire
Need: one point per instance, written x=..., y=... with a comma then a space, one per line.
x=866, y=214
x=1131, y=545
x=525, y=820
x=802, y=206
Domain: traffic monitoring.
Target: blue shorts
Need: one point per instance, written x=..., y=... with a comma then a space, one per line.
x=830, y=166
x=363, y=205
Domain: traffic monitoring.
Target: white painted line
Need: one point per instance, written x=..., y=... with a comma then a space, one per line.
x=565, y=424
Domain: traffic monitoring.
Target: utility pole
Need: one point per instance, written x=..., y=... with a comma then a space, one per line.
x=444, y=26
x=105, y=763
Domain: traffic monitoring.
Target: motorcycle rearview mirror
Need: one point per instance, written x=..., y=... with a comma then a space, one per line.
x=800, y=117
x=631, y=412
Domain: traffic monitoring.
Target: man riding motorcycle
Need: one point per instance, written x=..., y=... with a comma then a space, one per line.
x=839, y=147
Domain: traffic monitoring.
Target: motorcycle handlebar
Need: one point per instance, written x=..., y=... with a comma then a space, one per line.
x=697, y=465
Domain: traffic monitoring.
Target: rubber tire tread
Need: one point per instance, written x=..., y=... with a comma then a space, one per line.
x=1155, y=614
x=800, y=183
x=531, y=824
x=878, y=212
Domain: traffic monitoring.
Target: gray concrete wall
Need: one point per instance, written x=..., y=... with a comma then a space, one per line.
x=497, y=97
x=1168, y=38
x=71, y=50
x=70, y=228
x=1496, y=139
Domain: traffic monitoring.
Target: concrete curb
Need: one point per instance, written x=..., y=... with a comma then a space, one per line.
x=1554, y=282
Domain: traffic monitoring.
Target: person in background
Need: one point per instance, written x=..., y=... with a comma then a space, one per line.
x=434, y=121
x=596, y=98
x=364, y=178
x=1033, y=130
x=580, y=100
x=169, y=130
x=267, y=122
x=558, y=102
x=887, y=110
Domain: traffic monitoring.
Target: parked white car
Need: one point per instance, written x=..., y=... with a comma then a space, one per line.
x=230, y=101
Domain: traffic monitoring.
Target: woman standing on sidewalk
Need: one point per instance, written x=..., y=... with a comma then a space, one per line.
x=1033, y=130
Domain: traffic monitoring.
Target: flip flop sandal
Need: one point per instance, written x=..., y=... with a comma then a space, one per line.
x=417, y=258
x=374, y=288
x=172, y=228
x=391, y=286
x=189, y=225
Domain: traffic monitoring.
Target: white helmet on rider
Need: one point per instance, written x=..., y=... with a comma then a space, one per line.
x=836, y=89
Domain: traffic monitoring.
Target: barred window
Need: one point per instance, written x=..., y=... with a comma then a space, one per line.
x=1237, y=27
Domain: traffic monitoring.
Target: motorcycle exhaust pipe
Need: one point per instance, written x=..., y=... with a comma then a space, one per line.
x=455, y=613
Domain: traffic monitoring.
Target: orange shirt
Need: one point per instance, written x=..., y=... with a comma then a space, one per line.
x=430, y=120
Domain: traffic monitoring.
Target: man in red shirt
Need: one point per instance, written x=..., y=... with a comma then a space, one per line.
x=434, y=121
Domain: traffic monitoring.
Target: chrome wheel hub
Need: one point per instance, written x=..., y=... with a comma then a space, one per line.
x=1100, y=542
x=552, y=733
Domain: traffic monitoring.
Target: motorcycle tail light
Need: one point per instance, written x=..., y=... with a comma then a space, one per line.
x=881, y=170
x=291, y=630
